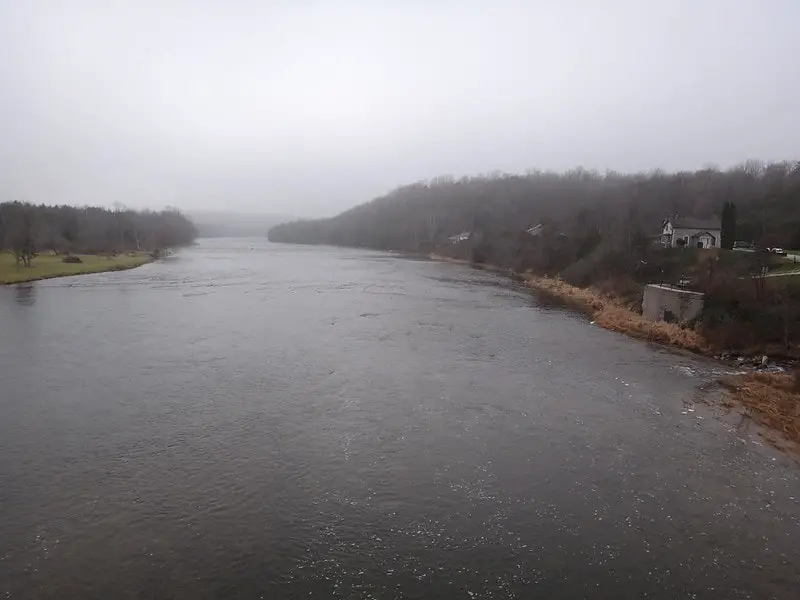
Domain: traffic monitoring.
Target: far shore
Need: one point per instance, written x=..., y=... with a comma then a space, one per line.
x=48, y=266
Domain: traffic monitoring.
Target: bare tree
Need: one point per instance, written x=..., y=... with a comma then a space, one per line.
x=25, y=228
x=19, y=233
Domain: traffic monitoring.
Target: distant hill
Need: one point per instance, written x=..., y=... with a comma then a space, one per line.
x=585, y=206
x=231, y=224
x=604, y=232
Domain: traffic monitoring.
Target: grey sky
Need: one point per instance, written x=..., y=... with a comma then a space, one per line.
x=308, y=107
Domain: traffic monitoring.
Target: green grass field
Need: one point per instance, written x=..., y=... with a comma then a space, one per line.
x=46, y=266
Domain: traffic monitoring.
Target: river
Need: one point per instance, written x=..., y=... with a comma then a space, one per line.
x=251, y=420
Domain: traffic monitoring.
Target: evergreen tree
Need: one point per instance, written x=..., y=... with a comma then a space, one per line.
x=728, y=225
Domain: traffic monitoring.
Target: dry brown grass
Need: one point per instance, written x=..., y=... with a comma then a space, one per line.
x=771, y=399
x=443, y=258
x=611, y=314
x=583, y=299
x=631, y=323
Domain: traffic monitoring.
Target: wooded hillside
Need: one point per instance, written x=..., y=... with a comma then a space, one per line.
x=603, y=231
x=582, y=204
x=27, y=229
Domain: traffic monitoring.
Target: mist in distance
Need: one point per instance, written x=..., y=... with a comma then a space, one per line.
x=308, y=108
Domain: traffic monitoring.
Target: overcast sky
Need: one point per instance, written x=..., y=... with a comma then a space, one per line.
x=309, y=107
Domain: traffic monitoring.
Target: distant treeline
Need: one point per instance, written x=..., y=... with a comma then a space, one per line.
x=604, y=231
x=579, y=203
x=27, y=229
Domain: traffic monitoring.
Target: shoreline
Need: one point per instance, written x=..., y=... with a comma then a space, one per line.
x=604, y=310
x=609, y=313
x=770, y=399
x=52, y=266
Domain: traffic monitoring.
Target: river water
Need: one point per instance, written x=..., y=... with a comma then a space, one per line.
x=250, y=420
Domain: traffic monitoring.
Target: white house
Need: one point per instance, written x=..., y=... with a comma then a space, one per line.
x=461, y=237
x=694, y=233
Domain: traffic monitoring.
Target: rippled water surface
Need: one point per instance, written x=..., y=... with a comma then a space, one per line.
x=247, y=420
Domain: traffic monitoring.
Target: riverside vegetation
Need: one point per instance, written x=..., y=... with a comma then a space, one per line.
x=598, y=246
x=40, y=241
x=46, y=266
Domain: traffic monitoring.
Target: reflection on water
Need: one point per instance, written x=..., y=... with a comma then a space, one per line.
x=25, y=294
x=250, y=420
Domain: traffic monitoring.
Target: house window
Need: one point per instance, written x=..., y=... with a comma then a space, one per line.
x=686, y=239
x=713, y=242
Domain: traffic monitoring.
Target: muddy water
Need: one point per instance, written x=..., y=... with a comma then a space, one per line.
x=250, y=420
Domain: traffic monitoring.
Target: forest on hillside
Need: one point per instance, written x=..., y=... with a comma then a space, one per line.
x=579, y=203
x=28, y=229
x=601, y=230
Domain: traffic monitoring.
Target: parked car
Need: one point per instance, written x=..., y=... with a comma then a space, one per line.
x=778, y=251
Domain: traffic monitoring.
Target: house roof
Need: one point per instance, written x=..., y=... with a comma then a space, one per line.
x=535, y=229
x=693, y=223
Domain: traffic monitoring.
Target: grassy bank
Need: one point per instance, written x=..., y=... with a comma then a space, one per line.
x=606, y=310
x=46, y=266
x=771, y=399
x=610, y=313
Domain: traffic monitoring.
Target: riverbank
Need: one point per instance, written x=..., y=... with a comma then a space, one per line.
x=770, y=399
x=605, y=310
x=47, y=266
x=611, y=313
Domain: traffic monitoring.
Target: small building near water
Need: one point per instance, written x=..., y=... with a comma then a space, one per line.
x=662, y=302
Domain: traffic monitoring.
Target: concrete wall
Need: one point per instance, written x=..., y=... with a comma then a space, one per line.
x=667, y=303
